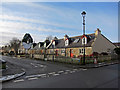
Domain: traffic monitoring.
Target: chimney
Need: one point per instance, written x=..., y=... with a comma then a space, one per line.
x=65, y=37
x=97, y=32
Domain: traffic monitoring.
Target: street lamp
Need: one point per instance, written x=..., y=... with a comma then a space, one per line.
x=83, y=15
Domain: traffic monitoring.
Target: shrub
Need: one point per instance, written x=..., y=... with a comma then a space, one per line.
x=117, y=51
x=104, y=53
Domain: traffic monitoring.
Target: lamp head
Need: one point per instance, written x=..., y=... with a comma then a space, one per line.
x=83, y=13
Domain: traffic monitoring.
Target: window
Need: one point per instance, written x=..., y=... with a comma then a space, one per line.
x=66, y=42
x=39, y=45
x=51, y=51
x=44, y=44
x=84, y=40
x=62, y=51
x=81, y=51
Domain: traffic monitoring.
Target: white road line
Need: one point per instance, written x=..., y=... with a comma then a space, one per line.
x=21, y=80
x=56, y=74
x=66, y=73
x=32, y=78
x=52, y=73
x=84, y=69
x=72, y=71
x=43, y=76
x=75, y=69
x=60, y=71
x=38, y=75
x=67, y=70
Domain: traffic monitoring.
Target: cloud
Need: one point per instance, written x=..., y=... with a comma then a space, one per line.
x=7, y=36
x=50, y=19
x=28, y=20
x=7, y=26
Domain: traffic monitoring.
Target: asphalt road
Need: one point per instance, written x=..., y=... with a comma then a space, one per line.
x=41, y=74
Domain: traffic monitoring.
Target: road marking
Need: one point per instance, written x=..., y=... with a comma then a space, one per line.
x=66, y=73
x=43, y=76
x=56, y=74
x=42, y=65
x=60, y=71
x=75, y=69
x=32, y=78
x=19, y=80
x=84, y=69
x=67, y=70
x=36, y=66
x=38, y=75
x=72, y=71
x=51, y=73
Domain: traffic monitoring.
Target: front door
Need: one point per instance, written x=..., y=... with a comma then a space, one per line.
x=56, y=52
x=71, y=53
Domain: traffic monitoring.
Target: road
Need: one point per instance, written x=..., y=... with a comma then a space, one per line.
x=43, y=74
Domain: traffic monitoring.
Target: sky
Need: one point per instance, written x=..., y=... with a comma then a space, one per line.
x=42, y=19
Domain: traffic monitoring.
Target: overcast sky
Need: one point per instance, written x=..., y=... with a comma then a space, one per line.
x=42, y=19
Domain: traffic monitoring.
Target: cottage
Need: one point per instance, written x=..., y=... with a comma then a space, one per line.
x=117, y=44
x=24, y=47
x=73, y=46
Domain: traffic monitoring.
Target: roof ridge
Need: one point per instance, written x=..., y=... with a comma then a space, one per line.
x=77, y=36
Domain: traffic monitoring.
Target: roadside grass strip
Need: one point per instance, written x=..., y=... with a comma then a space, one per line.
x=20, y=80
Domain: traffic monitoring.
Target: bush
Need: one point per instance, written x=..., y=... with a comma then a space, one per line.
x=104, y=53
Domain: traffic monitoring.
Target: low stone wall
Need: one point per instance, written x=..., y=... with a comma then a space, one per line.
x=73, y=60
x=2, y=64
x=37, y=56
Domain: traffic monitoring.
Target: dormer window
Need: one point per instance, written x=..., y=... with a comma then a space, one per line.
x=32, y=46
x=39, y=45
x=53, y=44
x=66, y=42
x=44, y=44
x=84, y=39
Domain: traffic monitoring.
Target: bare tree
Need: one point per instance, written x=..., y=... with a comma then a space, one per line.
x=15, y=43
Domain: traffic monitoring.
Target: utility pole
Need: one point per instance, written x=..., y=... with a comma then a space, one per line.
x=83, y=15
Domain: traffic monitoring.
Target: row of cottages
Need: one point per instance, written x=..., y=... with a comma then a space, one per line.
x=73, y=46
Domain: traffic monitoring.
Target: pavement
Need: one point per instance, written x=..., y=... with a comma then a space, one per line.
x=13, y=71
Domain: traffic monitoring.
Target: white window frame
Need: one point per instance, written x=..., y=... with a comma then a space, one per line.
x=83, y=40
x=66, y=42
